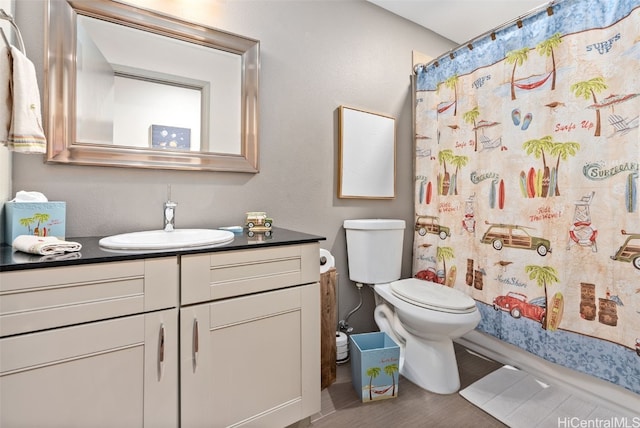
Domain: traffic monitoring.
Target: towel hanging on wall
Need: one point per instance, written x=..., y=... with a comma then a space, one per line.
x=5, y=93
x=26, y=134
x=20, y=111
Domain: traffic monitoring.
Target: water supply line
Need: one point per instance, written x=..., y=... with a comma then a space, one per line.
x=343, y=325
x=342, y=336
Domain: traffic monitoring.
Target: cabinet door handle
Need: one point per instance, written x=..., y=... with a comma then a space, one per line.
x=161, y=340
x=196, y=344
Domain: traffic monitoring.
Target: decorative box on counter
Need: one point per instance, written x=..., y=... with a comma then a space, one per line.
x=34, y=218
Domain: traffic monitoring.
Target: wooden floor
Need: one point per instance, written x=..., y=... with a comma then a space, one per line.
x=413, y=407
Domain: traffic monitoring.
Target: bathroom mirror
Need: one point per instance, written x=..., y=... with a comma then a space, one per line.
x=367, y=155
x=130, y=87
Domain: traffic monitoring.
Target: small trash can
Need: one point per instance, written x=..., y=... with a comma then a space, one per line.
x=375, y=366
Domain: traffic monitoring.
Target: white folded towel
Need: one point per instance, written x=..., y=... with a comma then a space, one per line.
x=20, y=257
x=26, y=134
x=44, y=245
x=5, y=94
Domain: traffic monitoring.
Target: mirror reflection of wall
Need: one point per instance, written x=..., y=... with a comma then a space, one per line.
x=141, y=104
x=94, y=95
x=156, y=80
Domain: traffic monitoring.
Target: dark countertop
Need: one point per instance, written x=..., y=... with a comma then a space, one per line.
x=92, y=253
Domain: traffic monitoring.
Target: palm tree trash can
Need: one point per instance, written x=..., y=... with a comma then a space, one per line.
x=375, y=360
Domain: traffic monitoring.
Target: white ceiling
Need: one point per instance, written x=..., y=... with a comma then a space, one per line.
x=460, y=20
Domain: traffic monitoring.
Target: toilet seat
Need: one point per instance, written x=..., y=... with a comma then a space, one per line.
x=432, y=296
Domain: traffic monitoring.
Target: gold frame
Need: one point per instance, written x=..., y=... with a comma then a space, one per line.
x=364, y=173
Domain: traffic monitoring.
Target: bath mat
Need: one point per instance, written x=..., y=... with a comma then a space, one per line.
x=519, y=400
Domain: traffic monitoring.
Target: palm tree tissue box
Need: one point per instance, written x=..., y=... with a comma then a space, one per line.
x=375, y=360
x=34, y=218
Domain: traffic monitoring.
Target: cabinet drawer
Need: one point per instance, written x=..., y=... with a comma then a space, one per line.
x=224, y=274
x=39, y=299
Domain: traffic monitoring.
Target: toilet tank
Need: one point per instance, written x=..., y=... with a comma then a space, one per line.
x=374, y=250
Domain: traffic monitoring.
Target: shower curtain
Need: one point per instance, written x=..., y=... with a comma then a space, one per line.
x=526, y=187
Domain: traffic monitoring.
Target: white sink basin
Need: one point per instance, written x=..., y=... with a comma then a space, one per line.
x=161, y=240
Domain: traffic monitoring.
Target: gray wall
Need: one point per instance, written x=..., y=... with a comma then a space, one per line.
x=315, y=56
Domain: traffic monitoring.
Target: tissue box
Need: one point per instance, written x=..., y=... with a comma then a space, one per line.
x=375, y=360
x=34, y=218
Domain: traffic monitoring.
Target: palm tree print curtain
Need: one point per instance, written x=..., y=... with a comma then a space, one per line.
x=526, y=186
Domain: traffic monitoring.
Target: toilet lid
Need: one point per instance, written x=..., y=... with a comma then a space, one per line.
x=432, y=296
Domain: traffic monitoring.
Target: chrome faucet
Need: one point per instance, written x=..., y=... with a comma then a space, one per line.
x=169, y=212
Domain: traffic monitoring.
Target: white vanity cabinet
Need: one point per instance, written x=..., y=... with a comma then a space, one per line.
x=90, y=345
x=250, y=337
x=224, y=338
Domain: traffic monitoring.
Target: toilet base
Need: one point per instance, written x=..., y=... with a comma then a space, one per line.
x=431, y=365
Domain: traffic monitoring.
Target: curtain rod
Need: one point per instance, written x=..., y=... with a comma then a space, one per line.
x=469, y=43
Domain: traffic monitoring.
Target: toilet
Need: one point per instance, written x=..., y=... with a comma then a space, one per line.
x=422, y=317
